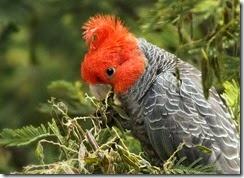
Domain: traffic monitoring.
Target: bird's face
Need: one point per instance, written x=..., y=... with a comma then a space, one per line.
x=113, y=59
x=100, y=70
x=117, y=68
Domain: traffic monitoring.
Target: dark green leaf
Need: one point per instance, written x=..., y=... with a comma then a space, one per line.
x=207, y=74
x=121, y=112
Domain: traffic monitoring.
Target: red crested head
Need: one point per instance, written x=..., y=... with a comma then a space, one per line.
x=113, y=55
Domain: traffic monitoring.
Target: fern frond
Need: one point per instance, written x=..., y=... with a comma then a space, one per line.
x=193, y=168
x=53, y=126
x=23, y=136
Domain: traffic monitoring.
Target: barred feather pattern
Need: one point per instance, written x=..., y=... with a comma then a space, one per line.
x=166, y=113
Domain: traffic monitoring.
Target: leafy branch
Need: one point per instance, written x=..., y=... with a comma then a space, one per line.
x=100, y=149
x=24, y=136
x=208, y=34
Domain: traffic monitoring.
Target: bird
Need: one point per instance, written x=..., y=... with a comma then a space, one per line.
x=167, y=108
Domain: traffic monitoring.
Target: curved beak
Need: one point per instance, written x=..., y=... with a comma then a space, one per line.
x=100, y=91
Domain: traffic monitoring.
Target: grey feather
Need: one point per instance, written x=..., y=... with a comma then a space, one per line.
x=166, y=114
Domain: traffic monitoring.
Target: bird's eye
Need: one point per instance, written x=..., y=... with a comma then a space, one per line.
x=110, y=71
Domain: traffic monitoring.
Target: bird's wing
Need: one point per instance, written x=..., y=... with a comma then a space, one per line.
x=176, y=113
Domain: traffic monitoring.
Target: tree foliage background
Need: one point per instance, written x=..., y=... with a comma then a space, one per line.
x=41, y=48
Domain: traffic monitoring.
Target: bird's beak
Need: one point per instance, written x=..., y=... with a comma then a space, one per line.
x=100, y=91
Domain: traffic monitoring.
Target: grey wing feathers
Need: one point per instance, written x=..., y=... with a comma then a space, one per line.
x=176, y=113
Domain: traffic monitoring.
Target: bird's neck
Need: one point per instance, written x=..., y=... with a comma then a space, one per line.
x=157, y=60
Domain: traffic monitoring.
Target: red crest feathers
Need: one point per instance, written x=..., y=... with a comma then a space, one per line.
x=100, y=27
x=111, y=45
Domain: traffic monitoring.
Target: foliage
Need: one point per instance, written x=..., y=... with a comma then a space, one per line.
x=24, y=136
x=208, y=33
x=100, y=149
x=40, y=42
x=232, y=98
x=71, y=94
x=41, y=46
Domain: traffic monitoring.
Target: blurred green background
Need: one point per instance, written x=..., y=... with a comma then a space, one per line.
x=41, y=42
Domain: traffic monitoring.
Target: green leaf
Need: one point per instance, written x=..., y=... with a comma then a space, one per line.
x=91, y=160
x=23, y=136
x=53, y=126
x=119, y=126
x=205, y=7
x=232, y=97
x=121, y=112
x=216, y=69
x=180, y=161
x=204, y=149
x=104, y=135
x=207, y=74
x=194, y=163
x=39, y=152
x=126, y=157
x=194, y=168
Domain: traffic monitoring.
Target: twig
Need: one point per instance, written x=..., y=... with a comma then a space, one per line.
x=94, y=144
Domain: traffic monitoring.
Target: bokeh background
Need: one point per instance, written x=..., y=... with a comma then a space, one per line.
x=41, y=48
